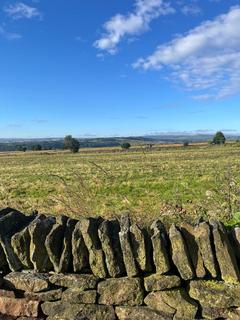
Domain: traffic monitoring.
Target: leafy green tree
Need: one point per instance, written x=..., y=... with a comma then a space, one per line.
x=219, y=138
x=126, y=145
x=71, y=144
x=37, y=147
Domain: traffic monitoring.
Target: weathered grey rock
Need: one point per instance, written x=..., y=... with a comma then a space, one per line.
x=180, y=254
x=89, y=229
x=80, y=281
x=188, y=232
x=141, y=248
x=108, y=235
x=175, y=303
x=20, y=242
x=126, y=246
x=203, y=239
x=75, y=295
x=39, y=230
x=215, y=294
x=79, y=251
x=234, y=314
x=3, y=260
x=54, y=243
x=12, y=223
x=140, y=313
x=225, y=254
x=66, y=260
x=50, y=295
x=69, y=311
x=122, y=291
x=18, y=307
x=160, y=246
x=158, y=282
x=27, y=281
x=236, y=241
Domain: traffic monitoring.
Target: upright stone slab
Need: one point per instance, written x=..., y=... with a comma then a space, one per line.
x=108, y=234
x=188, y=232
x=20, y=242
x=79, y=251
x=225, y=254
x=160, y=247
x=39, y=230
x=89, y=229
x=141, y=248
x=10, y=224
x=66, y=260
x=203, y=238
x=180, y=254
x=126, y=246
x=54, y=242
x=236, y=241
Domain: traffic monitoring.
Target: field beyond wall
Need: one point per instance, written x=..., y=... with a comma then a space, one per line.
x=170, y=183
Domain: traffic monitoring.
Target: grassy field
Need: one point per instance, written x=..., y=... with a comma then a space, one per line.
x=171, y=183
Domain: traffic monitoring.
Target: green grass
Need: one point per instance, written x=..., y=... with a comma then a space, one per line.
x=172, y=184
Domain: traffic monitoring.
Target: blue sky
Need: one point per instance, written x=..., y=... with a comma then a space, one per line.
x=105, y=68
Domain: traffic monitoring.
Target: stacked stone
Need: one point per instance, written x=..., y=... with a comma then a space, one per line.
x=98, y=269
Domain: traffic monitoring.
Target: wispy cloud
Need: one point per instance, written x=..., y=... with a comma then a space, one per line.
x=206, y=59
x=21, y=10
x=191, y=9
x=131, y=24
x=9, y=35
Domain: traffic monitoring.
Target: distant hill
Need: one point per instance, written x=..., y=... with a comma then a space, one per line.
x=57, y=143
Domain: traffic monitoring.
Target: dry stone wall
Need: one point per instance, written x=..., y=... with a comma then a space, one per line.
x=58, y=268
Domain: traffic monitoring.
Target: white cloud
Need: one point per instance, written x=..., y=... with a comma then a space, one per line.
x=191, y=9
x=9, y=35
x=207, y=58
x=20, y=10
x=131, y=24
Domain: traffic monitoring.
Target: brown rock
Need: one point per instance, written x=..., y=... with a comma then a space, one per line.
x=18, y=307
x=7, y=293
